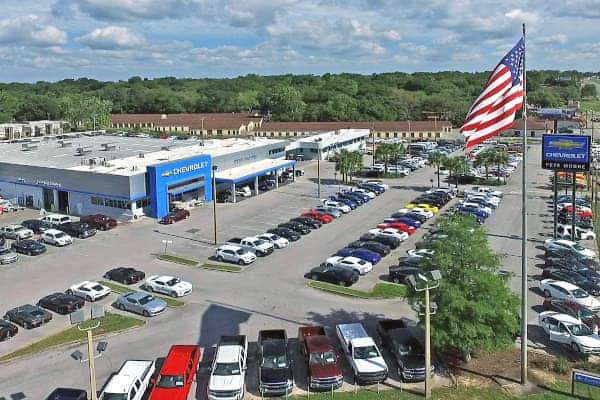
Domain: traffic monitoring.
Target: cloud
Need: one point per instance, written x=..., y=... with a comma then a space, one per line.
x=30, y=30
x=127, y=10
x=559, y=38
x=112, y=38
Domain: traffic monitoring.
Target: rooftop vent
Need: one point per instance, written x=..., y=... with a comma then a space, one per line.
x=140, y=155
x=28, y=146
x=83, y=150
x=163, y=116
x=64, y=143
x=166, y=148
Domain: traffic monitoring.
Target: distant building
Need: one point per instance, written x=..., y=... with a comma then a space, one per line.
x=535, y=127
x=327, y=144
x=205, y=125
x=22, y=130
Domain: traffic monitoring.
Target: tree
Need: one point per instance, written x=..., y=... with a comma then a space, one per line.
x=285, y=102
x=589, y=90
x=456, y=165
x=476, y=309
x=436, y=159
x=499, y=158
x=83, y=111
x=484, y=159
x=348, y=163
x=384, y=153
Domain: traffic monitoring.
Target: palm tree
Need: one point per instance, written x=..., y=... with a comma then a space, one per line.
x=347, y=163
x=436, y=159
x=384, y=153
x=456, y=165
x=499, y=157
x=484, y=159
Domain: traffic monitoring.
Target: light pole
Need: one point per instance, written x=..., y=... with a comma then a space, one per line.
x=214, y=198
x=425, y=282
x=318, y=141
x=78, y=318
x=166, y=243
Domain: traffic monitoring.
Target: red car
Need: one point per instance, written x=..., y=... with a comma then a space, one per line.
x=319, y=216
x=587, y=316
x=177, y=373
x=580, y=212
x=99, y=221
x=175, y=216
x=398, y=225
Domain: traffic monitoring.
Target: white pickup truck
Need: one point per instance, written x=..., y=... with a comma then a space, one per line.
x=483, y=190
x=251, y=243
x=130, y=382
x=362, y=353
x=228, y=371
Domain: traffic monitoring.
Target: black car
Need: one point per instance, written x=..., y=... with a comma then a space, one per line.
x=431, y=200
x=572, y=277
x=289, y=234
x=61, y=303
x=389, y=241
x=338, y=275
x=372, y=188
x=357, y=199
x=398, y=273
x=36, y=225
x=415, y=262
x=429, y=239
x=568, y=254
x=569, y=262
x=296, y=227
x=310, y=222
x=582, y=222
x=2, y=241
x=28, y=316
x=67, y=394
x=125, y=275
x=80, y=230
x=7, y=330
x=376, y=247
x=28, y=246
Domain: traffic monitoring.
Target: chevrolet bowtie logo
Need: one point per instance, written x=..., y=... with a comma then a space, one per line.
x=566, y=144
x=166, y=174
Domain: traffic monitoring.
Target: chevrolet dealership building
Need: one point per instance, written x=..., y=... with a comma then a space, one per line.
x=129, y=177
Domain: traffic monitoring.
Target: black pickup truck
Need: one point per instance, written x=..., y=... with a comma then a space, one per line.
x=406, y=344
x=275, y=374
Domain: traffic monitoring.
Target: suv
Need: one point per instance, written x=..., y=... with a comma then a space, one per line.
x=99, y=221
x=16, y=232
x=36, y=225
x=130, y=382
x=80, y=230
x=177, y=373
x=235, y=254
x=67, y=394
x=174, y=216
x=228, y=370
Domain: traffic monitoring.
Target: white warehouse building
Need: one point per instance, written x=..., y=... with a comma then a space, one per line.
x=328, y=144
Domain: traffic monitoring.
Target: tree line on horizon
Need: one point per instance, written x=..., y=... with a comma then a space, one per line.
x=392, y=96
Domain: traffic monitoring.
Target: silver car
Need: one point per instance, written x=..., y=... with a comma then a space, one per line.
x=141, y=303
x=7, y=256
x=334, y=212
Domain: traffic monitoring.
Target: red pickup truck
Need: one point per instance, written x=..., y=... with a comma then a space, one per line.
x=177, y=373
x=324, y=365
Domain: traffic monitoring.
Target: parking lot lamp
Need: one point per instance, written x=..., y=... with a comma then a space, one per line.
x=318, y=141
x=214, y=198
x=425, y=282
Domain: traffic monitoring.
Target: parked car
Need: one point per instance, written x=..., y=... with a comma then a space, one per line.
x=130, y=382
x=420, y=253
x=399, y=273
x=590, y=318
x=89, y=290
x=568, y=291
x=363, y=355
x=390, y=241
x=228, y=371
x=565, y=232
x=569, y=255
x=175, y=216
x=334, y=212
x=28, y=316
x=55, y=220
x=350, y=203
x=177, y=373
x=61, y=303
x=362, y=253
x=169, y=285
x=235, y=254
x=296, y=227
x=324, y=366
x=79, y=230
x=572, y=277
x=398, y=225
x=289, y=234
x=252, y=243
x=356, y=264
x=7, y=256
x=56, y=238
x=359, y=198
x=277, y=241
x=390, y=232
x=67, y=394
x=377, y=189
x=404, y=220
x=369, y=193
x=334, y=274
x=7, y=330
x=36, y=225
x=310, y=222
x=373, y=246
x=125, y=275
x=28, y=246
x=319, y=216
x=141, y=303
x=410, y=215
x=15, y=232
x=550, y=244
x=567, y=330
x=423, y=206
x=336, y=205
x=275, y=372
x=99, y=221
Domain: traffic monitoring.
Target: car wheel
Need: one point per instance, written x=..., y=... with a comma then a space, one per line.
x=546, y=293
x=241, y=262
x=149, y=288
x=575, y=347
x=396, y=280
x=145, y=313
x=220, y=258
x=70, y=292
x=30, y=253
x=342, y=283
x=89, y=298
x=121, y=307
x=173, y=294
x=314, y=277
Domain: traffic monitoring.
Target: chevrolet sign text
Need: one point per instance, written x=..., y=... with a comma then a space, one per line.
x=189, y=168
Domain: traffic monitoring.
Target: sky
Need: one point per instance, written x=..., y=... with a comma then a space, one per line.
x=115, y=39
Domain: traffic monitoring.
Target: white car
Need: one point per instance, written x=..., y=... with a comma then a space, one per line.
x=235, y=254
x=89, y=290
x=488, y=199
x=561, y=206
x=353, y=263
x=56, y=237
x=363, y=191
x=570, y=331
x=487, y=190
x=477, y=205
x=168, y=285
x=337, y=205
x=419, y=253
x=568, y=291
x=16, y=232
x=564, y=231
x=398, y=234
x=426, y=213
x=278, y=241
x=567, y=244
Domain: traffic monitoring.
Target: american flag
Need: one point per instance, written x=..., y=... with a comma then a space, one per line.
x=495, y=108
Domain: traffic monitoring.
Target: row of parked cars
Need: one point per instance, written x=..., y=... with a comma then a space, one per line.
x=137, y=379
x=31, y=236
x=141, y=302
x=244, y=251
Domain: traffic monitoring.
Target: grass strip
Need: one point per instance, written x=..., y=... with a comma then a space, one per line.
x=379, y=291
x=222, y=267
x=110, y=323
x=115, y=287
x=178, y=260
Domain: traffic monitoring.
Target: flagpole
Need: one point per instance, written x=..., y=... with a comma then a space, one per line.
x=524, y=287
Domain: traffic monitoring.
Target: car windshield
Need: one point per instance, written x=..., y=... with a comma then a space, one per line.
x=275, y=237
x=259, y=242
x=36, y=313
x=173, y=282
x=279, y=361
x=146, y=299
x=226, y=369
x=170, y=381
x=59, y=235
x=580, y=330
x=97, y=288
x=322, y=358
x=239, y=252
x=363, y=353
x=580, y=294
x=20, y=228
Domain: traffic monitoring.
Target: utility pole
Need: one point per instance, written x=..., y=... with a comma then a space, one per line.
x=214, y=198
x=524, y=288
x=318, y=141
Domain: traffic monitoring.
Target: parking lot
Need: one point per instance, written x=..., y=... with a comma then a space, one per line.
x=272, y=293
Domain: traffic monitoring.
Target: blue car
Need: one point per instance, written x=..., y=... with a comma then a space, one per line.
x=342, y=200
x=363, y=254
x=475, y=211
x=360, y=195
x=405, y=220
x=358, y=200
x=578, y=200
x=373, y=188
